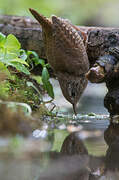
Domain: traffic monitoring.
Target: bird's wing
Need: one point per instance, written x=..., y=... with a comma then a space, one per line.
x=70, y=43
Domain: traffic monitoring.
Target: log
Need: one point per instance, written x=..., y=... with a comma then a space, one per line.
x=29, y=33
x=100, y=39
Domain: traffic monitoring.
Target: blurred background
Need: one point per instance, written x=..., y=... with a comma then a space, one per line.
x=83, y=12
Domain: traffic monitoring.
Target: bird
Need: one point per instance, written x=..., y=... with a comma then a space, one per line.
x=66, y=53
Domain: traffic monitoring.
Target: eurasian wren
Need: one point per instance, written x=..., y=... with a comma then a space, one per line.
x=66, y=53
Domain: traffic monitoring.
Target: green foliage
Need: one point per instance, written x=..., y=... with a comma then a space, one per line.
x=19, y=91
x=4, y=90
x=11, y=54
x=32, y=57
x=46, y=82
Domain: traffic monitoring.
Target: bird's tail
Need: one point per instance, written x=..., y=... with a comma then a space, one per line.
x=45, y=22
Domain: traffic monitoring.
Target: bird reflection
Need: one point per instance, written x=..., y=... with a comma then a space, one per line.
x=75, y=163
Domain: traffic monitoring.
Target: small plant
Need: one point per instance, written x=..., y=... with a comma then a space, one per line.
x=32, y=57
x=11, y=54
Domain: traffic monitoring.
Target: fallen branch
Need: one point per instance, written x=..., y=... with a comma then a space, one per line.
x=100, y=40
x=29, y=33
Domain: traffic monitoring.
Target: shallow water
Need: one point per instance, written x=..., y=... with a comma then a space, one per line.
x=90, y=101
x=39, y=156
x=64, y=147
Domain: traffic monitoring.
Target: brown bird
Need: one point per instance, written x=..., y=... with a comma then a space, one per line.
x=66, y=53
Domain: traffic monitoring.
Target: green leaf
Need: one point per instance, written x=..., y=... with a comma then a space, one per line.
x=47, y=65
x=20, y=67
x=2, y=39
x=19, y=60
x=45, y=75
x=32, y=53
x=12, y=43
x=35, y=58
x=39, y=61
x=4, y=69
x=11, y=57
x=49, y=89
x=23, y=54
x=46, y=82
x=7, y=57
x=37, y=78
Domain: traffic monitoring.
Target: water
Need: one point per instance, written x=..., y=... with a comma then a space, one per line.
x=90, y=101
x=64, y=147
x=46, y=151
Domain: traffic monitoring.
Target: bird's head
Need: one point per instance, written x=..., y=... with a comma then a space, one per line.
x=72, y=87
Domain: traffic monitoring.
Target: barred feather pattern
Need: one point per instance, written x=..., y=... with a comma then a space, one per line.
x=66, y=53
x=69, y=48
